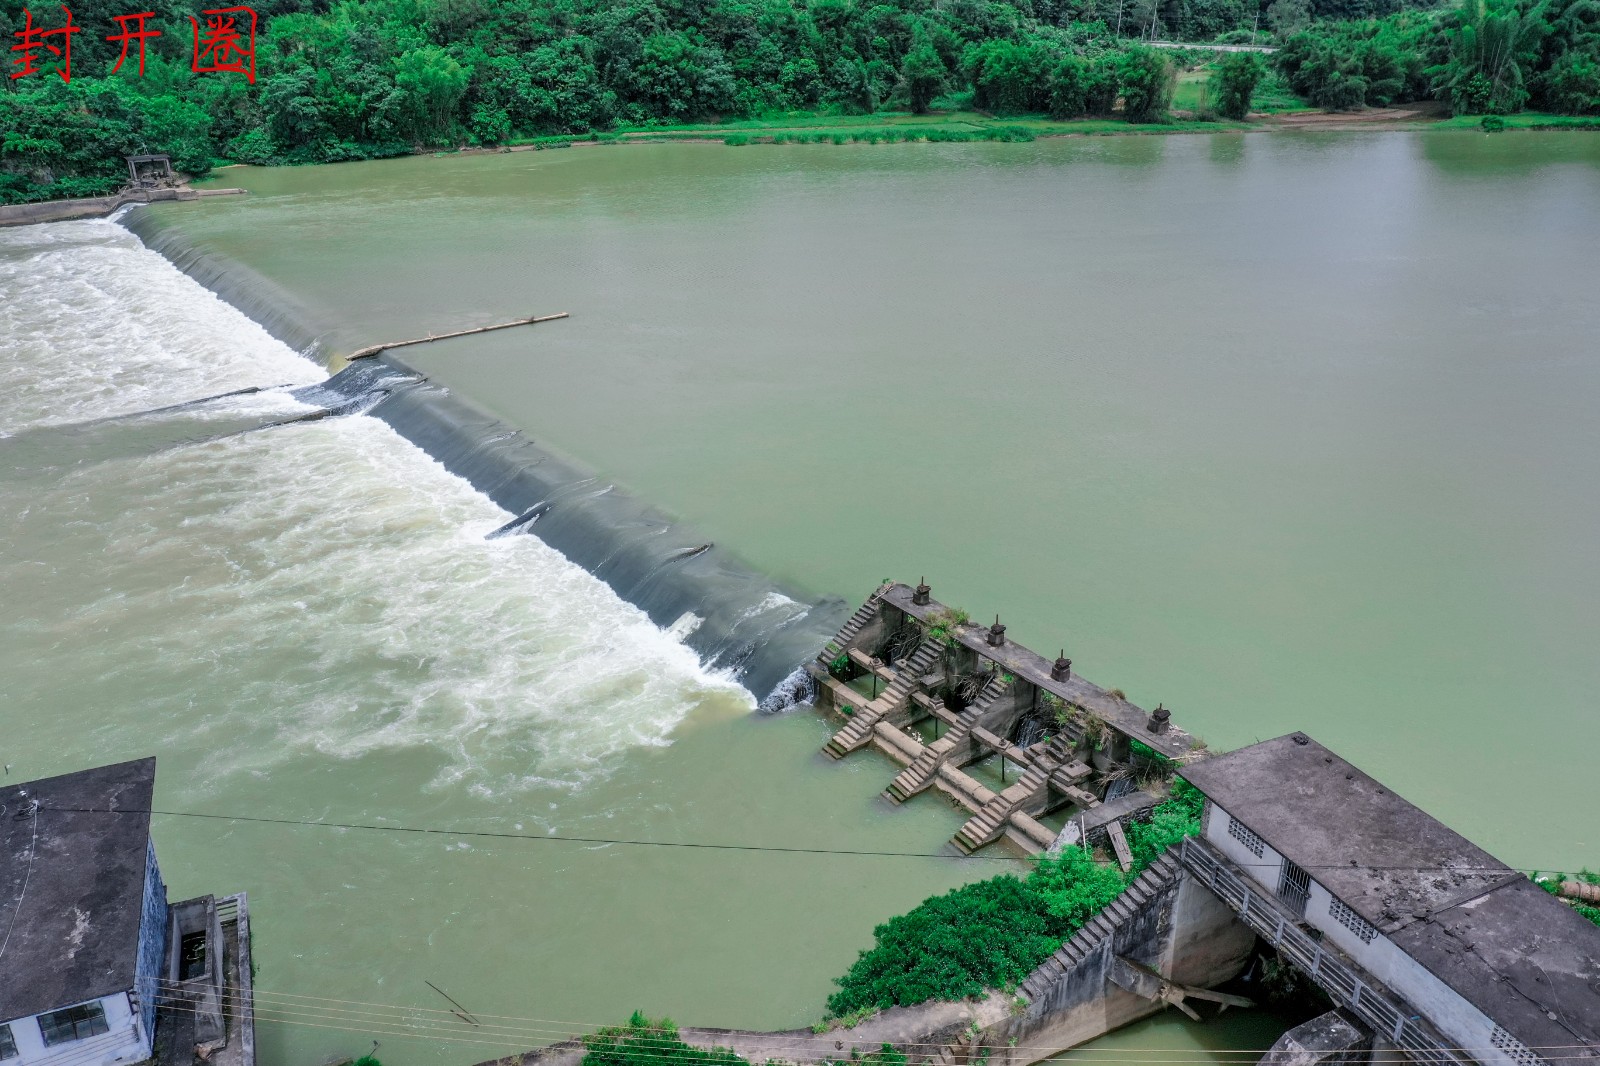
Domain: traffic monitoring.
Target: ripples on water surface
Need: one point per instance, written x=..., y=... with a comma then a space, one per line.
x=323, y=587
x=308, y=622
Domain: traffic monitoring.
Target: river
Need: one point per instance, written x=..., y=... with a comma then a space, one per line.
x=1285, y=431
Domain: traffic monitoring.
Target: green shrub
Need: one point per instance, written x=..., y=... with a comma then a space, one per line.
x=1235, y=81
x=643, y=1042
x=988, y=934
x=992, y=934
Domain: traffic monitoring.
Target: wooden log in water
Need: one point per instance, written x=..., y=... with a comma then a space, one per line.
x=376, y=349
x=1579, y=890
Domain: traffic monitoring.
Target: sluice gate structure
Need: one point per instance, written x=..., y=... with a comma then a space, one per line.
x=1426, y=948
x=905, y=661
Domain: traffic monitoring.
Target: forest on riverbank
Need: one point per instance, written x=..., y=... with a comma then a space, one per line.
x=356, y=79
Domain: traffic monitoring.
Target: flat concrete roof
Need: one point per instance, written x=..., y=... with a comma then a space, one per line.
x=1525, y=959
x=1124, y=717
x=1431, y=891
x=1387, y=859
x=74, y=935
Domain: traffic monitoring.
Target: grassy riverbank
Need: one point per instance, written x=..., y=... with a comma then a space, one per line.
x=804, y=128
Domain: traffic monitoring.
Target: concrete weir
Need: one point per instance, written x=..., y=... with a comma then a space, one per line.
x=984, y=694
x=1428, y=949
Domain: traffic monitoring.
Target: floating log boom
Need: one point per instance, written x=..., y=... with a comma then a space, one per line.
x=376, y=349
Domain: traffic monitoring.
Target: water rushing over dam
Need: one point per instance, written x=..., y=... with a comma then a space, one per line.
x=735, y=619
x=304, y=615
x=1239, y=455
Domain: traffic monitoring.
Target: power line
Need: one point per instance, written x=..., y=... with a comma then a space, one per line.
x=33, y=853
x=776, y=1040
x=809, y=1049
x=704, y=845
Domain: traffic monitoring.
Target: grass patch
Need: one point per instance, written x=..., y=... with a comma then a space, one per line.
x=1527, y=120
x=1191, y=93
x=1552, y=881
x=1274, y=97
x=643, y=1042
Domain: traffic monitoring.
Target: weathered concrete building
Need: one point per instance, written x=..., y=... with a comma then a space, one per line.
x=95, y=967
x=1427, y=943
x=1430, y=949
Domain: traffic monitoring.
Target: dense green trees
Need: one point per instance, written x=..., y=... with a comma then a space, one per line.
x=1484, y=57
x=352, y=79
x=1355, y=64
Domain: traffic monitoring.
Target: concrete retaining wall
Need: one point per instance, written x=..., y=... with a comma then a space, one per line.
x=98, y=206
x=1182, y=932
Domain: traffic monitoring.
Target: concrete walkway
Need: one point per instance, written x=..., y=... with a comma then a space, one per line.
x=920, y=1031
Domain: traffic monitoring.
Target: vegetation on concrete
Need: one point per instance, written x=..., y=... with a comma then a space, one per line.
x=1551, y=883
x=643, y=1042
x=992, y=934
x=943, y=623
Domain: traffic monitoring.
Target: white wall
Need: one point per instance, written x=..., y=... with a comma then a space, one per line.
x=1264, y=869
x=1456, y=1019
x=1462, y=1024
x=123, y=1043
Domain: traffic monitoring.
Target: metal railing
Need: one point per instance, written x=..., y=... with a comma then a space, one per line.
x=1378, y=1008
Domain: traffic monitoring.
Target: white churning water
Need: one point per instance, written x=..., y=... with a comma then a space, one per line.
x=323, y=587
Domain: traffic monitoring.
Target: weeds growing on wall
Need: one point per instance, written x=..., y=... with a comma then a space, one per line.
x=643, y=1042
x=943, y=623
x=992, y=934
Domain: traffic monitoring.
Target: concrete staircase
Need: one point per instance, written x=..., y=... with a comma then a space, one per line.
x=858, y=731
x=925, y=767
x=986, y=826
x=1158, y=877
x=847, y=632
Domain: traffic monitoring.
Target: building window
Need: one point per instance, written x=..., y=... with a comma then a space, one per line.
x=8, y=1043
x=1515, y=1049
x=192, y=956
x=73, y=1023
x=1352, y=921
x=1237, y=831
x=1294, y=888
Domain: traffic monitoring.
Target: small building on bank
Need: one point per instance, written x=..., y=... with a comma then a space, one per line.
x=1450, y=937
x=96, y=968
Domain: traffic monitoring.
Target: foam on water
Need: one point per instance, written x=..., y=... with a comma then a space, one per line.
x=94, y=324
x=321, y=587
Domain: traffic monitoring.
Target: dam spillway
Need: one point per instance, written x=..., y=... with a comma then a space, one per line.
x=904, y=660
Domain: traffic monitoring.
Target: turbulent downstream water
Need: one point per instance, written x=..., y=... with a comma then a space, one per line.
x=1284, y=431
x=309, y=621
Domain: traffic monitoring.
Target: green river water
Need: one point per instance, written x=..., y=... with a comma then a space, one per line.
x=1284, y=431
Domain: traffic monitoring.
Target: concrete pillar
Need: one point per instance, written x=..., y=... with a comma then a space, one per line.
x=1329, y=1038
x=1206, y=943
